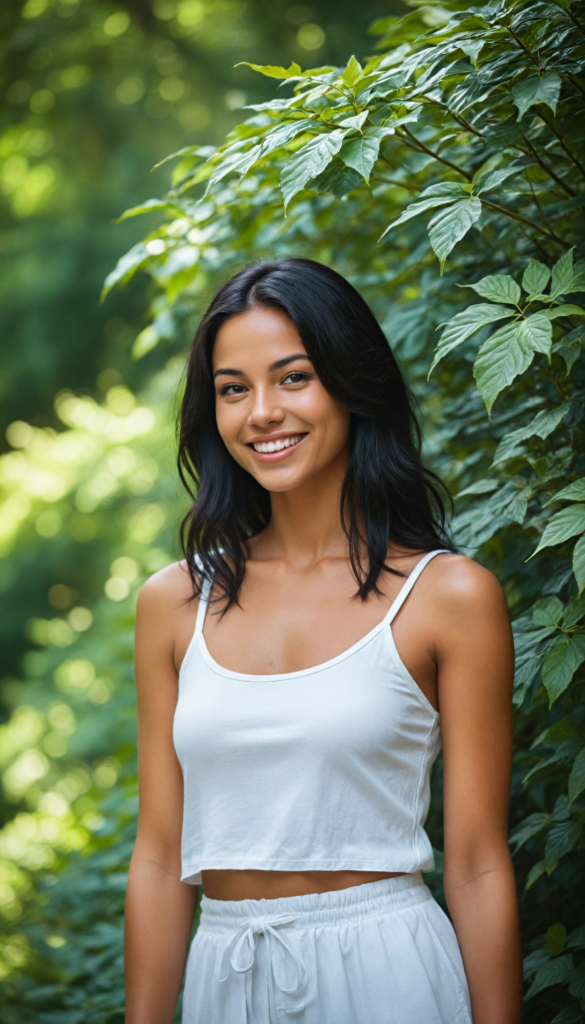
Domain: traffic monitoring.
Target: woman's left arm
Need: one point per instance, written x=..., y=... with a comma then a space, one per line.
x=475, y=659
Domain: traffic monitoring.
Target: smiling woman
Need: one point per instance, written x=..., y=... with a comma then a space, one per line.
x=286, y=740
x=360, y=416
x=275, y=414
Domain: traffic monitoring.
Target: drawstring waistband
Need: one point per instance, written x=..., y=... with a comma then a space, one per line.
x=240, y=923
x=245, y=940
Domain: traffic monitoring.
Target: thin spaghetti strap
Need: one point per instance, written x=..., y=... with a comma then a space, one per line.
x=407, y=587
x=203, y=602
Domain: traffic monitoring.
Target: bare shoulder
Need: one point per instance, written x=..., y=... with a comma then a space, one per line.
x=462, y=587
x=166, y=590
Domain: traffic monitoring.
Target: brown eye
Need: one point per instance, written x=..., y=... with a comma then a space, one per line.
x=232, y=389
x=295, y=377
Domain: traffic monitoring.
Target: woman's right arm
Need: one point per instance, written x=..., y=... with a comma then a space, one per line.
x=159, y=907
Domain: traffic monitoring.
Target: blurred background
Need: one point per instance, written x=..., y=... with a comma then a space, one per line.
x=94, y=94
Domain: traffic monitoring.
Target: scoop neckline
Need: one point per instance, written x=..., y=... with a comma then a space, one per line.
x=289, y=675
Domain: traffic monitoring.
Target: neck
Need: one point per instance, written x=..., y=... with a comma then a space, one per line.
x=305, y=525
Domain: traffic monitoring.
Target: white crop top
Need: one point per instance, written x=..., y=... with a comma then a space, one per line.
x=324, y=769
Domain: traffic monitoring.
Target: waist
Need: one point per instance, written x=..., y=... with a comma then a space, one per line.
x=354, y=903
x=236, y=885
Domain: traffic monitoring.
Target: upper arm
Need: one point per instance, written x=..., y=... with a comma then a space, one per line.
x=475, y=658
x=160, y=779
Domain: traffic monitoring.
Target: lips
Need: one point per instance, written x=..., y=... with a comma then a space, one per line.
x=275, y=449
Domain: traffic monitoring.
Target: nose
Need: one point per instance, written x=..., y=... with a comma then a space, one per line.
x=266, y=408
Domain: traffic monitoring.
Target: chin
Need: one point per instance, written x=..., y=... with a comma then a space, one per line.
x=279, y=484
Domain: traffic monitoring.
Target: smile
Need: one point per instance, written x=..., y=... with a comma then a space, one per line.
x=279, y=448
x=276, y=446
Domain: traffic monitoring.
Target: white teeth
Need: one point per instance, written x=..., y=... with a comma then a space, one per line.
x=264, y=447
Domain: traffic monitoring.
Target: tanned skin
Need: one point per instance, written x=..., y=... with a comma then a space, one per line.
x=298, y=609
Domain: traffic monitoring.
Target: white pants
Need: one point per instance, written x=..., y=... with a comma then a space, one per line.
x=379, y=953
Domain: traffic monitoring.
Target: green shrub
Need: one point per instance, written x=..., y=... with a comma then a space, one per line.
x=453, y=159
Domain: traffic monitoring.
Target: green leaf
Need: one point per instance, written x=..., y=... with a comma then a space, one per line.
x=560, y=664
x=564, y=524
x=473, y=48
x=501, y=358
x=354, y=122
x=498, y=288
x=360, y=154
x=487, y=180
x=449, y=226
x=574, y=612
x=577, y=938
x=145, y=342
x=577, y=982
x=547, y=420
x=528, y=828
x=126, y=267
x=466, y=323
x=279, y=136
x=566, y=309
x=578, y=282
x=556, y=939
x=562, y=838
x=285, y=133
x=569, y=353
x=352, y=73
x=203, y=152
x=152, y=206
x=577, y=777
x=234, y=158
x=579, y=563
x=435, y=195
x=478, y=487
x=538, y=328
x=554, y=973
x=308, y=162
x=536, y=90
x=271, y=70
x=535, y=277
x=337, y=178
x=562, y=275
x=543, y=424
x=572, y=492
x=536, y=872
x=548, y=612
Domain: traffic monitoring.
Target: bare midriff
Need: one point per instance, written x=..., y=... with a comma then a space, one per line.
x=271, y=885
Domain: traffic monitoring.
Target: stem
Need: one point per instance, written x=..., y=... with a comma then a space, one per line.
x=548, y=170
x=576, y=22
x=524, y=220
x=539, y=208
x=575, y=83
x=521, y=45
x=544, y=118
x=436, y=156
x=456, y=117
x=345, y=96
x=401, y=184
x=387, y=161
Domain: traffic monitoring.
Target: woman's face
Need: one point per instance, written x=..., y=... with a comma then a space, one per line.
x=273, y=413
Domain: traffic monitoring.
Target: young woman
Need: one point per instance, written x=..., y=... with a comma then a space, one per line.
x=294, y=686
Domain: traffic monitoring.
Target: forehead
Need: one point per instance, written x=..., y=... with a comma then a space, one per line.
x=259, y=336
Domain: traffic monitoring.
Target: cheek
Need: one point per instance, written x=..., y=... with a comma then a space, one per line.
x=333, y=418
x=229, y=420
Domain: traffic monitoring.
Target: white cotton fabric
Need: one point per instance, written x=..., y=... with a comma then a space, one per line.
x=325, y=769
x=379, y=953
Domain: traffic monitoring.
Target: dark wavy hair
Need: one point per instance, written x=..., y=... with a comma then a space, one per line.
x=387, y=494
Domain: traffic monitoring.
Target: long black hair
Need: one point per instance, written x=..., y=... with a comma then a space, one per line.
x=387, y=494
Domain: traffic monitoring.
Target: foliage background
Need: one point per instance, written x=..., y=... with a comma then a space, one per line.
x=474, y=114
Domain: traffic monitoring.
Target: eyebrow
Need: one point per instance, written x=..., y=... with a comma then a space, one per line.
x=231, y=372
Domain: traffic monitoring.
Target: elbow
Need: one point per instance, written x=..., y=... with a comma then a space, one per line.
x=477, y=864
